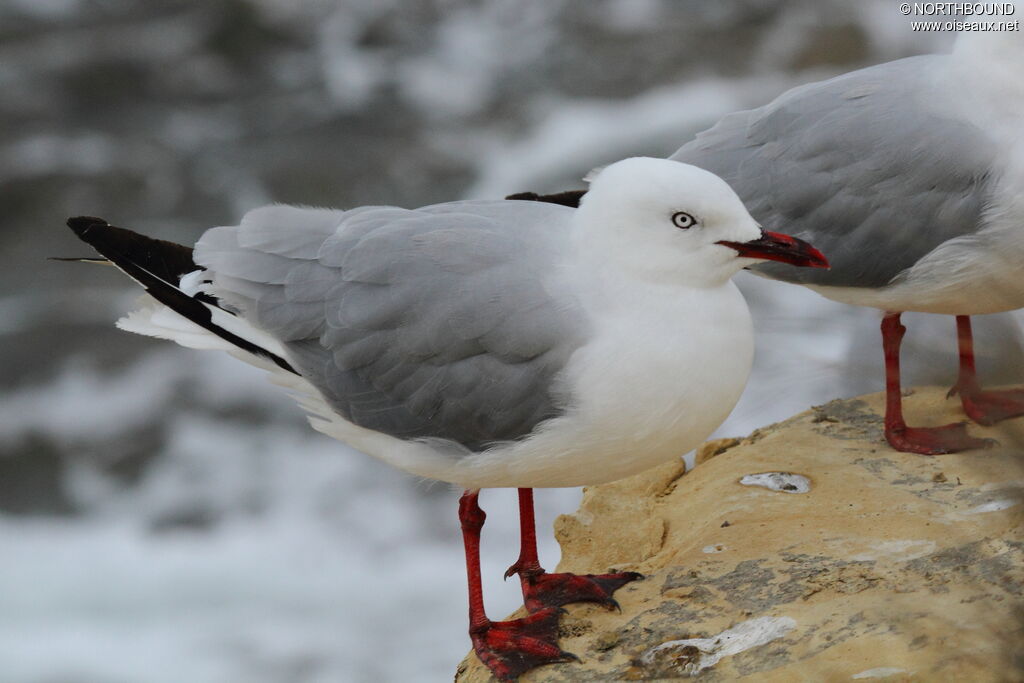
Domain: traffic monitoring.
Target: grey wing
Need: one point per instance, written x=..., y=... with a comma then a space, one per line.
x=865, y=166
x=437, y=322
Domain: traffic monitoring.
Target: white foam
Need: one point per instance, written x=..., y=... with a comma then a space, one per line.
x=783, y=482
x=879, y=672
x=993, y=506
x=895, y=549
x=742, y=636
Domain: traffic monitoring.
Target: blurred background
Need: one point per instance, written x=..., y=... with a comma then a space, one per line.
x=167, y=515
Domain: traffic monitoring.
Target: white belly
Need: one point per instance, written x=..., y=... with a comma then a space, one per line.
x=984, y=284
x=972, y=275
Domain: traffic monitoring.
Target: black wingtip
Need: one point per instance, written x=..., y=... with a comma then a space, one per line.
x=571, y=198
x=524, y=196
x=158, y=266
x=80, y=224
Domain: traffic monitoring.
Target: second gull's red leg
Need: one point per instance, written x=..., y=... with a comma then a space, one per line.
x=984, y=407
x=543, y=590
x=951, y=438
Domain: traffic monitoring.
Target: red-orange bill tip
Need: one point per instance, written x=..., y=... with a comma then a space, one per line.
x=775, y=246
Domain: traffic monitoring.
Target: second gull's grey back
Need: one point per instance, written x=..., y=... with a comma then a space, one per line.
x=868, y=166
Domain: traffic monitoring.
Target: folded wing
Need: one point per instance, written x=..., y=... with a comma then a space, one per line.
x=441, y=322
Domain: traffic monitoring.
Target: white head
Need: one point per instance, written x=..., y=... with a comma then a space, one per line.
x=667, y=221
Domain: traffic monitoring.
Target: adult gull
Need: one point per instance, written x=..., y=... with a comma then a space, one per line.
x=486, y=343
x=910, y=176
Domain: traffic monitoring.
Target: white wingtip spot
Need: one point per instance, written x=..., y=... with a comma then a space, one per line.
x=593, y=173
x=192, y=283
x=784, y=482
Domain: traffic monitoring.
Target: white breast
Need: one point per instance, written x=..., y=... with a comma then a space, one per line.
x=654, y=382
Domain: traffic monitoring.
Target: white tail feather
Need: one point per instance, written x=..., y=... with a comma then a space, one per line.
x=153, y=319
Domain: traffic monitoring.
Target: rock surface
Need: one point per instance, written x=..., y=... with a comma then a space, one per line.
x=890, y=567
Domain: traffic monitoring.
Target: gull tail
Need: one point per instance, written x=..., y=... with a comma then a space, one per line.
x=160, y=267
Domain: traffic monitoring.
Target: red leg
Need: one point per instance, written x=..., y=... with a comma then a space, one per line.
x=984, y=407
x=542, y=590
x=951, y=438
x=508, y=648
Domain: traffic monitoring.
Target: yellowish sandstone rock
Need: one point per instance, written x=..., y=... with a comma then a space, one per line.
x=853, y=562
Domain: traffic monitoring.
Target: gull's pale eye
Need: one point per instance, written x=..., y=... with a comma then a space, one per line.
x=683, y=220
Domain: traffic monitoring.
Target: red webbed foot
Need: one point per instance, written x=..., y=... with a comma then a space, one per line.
x=951, y=438
x=541, y=589
x=989, y=407
x=511, y=648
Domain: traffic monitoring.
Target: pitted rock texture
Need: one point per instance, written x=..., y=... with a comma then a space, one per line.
x=894, y=566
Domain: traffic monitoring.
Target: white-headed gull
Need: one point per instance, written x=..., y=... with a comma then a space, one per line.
x=910, y=176
x=486, y=343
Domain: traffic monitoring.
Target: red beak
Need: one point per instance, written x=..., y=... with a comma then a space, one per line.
x=774, y=246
